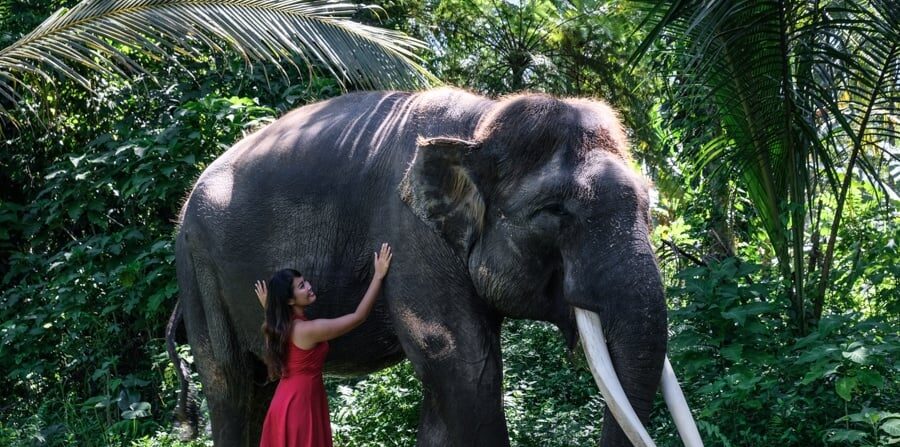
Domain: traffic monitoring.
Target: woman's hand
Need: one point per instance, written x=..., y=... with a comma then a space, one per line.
x=261, y=292
x=383, y=261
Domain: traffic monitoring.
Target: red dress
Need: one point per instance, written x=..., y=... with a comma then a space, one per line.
x=298, y=414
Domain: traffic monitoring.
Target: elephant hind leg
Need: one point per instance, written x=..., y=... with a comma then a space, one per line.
x=237, y=403
x=226, y=372
x=261, y=392
x=229, y=389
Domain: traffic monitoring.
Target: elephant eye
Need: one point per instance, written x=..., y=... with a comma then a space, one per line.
x=556, y=209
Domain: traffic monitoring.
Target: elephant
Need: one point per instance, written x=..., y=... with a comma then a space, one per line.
x=519, y=207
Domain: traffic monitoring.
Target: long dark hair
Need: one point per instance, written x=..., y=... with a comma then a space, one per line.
x=279, y=318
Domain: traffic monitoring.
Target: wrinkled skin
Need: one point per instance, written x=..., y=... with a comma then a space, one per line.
x=521, y=208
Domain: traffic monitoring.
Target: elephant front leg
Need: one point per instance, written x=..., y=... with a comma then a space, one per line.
x=458, y=362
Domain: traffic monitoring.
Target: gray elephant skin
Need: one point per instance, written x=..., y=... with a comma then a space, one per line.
x=522, y=207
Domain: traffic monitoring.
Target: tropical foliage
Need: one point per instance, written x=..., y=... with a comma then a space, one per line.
x=768, y=127
x=105, y=36
x=804, y=95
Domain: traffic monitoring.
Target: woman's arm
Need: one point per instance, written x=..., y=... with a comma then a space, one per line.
x=324, y=329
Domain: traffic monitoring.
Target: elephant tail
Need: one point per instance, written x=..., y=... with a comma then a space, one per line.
x=187, y=414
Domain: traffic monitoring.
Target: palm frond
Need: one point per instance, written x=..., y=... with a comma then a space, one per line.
x=92, y=33
x=801, y=90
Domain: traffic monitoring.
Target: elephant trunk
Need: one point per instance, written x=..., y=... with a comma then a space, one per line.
x=626, y=412
x=621, y=316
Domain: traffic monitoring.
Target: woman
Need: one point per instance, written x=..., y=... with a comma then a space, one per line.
x=295, y=352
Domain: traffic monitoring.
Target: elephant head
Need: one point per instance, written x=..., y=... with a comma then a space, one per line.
x=553, y=225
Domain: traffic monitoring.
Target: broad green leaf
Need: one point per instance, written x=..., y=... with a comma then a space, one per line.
x=845, y=386
x=859, y=354
x=77, y=160
x=870, y=378
x=818, y=353
x=891, y=426
x=137, y=410
x=741, y=313
x=816, y=371
x=847, y=436
x=732, y=352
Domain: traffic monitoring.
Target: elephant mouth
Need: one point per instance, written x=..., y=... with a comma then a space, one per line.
x=597, y=353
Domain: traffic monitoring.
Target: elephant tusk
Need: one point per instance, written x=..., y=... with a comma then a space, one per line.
x=678, y=406
x=595, y=349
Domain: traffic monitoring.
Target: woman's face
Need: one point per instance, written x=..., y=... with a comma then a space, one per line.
x=303, y=294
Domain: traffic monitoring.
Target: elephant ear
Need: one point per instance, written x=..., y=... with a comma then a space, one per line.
x=440, y=189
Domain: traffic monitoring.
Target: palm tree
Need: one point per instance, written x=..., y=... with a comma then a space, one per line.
x=101, y=35
x=806, y=96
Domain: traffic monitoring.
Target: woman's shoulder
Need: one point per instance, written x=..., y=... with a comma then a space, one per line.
x=298, y=324
x=299, y=332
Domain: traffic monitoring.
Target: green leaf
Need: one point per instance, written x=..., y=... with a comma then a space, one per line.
x=818, y=353
x=75, y=211
x=732, y=352
x=891, y=426
x=54, y=174
x=137, y=410
x=816, y=371
x=870, y=378
x=845, y=386
x=102, y=401
x=857, y=355
x=829, y=324
x=847, y=436
x=739, y=314
x=76, y=160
